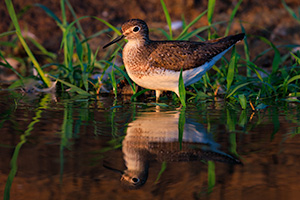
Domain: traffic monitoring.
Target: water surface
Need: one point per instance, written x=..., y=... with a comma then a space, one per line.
x=71, y=147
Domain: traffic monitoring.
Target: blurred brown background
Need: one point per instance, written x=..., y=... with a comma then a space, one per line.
x=266, y=18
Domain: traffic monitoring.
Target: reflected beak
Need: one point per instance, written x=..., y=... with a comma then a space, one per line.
x=114, y=41
x=113, y=169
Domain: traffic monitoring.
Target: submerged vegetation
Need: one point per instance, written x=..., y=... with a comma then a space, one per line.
x=238, y=80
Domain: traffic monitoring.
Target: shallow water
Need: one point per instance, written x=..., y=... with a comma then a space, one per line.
x=77, y=148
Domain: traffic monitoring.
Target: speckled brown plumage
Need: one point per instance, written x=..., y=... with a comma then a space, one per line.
x=175, y=55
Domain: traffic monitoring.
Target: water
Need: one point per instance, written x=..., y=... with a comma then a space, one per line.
x=76, y=148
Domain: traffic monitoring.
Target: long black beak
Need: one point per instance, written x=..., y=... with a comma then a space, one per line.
x=120, y=37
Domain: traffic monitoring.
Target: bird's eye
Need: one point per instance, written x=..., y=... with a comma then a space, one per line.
x=136, y=29
x=135, y=180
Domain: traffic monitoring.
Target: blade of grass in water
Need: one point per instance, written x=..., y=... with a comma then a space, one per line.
x=14, y=159
x=181, y=123
x=14, y=19
x=275, y=120
x=66, y=135
x=73, y=87
x=162, y=169
x=236, y=88
x=211, y=176
x=233, y=145
x=132, y=85
x=182, y=91
x=231, y=68
x=113, y=79
x=168, y=18
x=134, y=96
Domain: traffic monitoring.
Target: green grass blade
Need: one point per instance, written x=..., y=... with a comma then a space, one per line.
x=50, y=14
x=275, y=120
x=181, y=123
x=23, y=140
x=231, y=68
x=162, y=169
x=7, y=33
x=168, y=18
x=290, y=11
x=73, y=87
x=95, y=35
x=79, y=48
x=113, y=79
x=243, y=101
x=197, y=31
x=183, y=21
x=134, y=96
x=254, y=68
x=296, y=58
x=211, y=176
x=164, y=33
x=69, y=47
x=41, y=48
x=191, y=24
x=109, y=25
x=277, y=58
x=232, y=16
x=68, y=28
x=63, y=13
x=127, y=78
x=75, y=17
x=182, y=91
x=210, y=12
x=246, y=49
x=7, y=65
x=236, y=88
x=13, y=17
x=293, y=79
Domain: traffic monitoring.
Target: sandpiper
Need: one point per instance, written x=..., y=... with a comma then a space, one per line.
x=156, y=65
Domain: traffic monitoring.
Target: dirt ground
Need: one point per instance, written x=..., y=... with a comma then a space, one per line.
x=266, y=18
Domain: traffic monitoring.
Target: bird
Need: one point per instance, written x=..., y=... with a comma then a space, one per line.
x=156, y=65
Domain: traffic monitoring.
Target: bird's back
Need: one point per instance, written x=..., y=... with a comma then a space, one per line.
x=174, y=55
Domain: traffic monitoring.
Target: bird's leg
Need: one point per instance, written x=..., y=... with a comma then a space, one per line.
x=157, y=93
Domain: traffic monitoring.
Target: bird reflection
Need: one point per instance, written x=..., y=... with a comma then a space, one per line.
x=155, y=136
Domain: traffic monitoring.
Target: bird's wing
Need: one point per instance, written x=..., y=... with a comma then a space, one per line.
x=174, y=55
